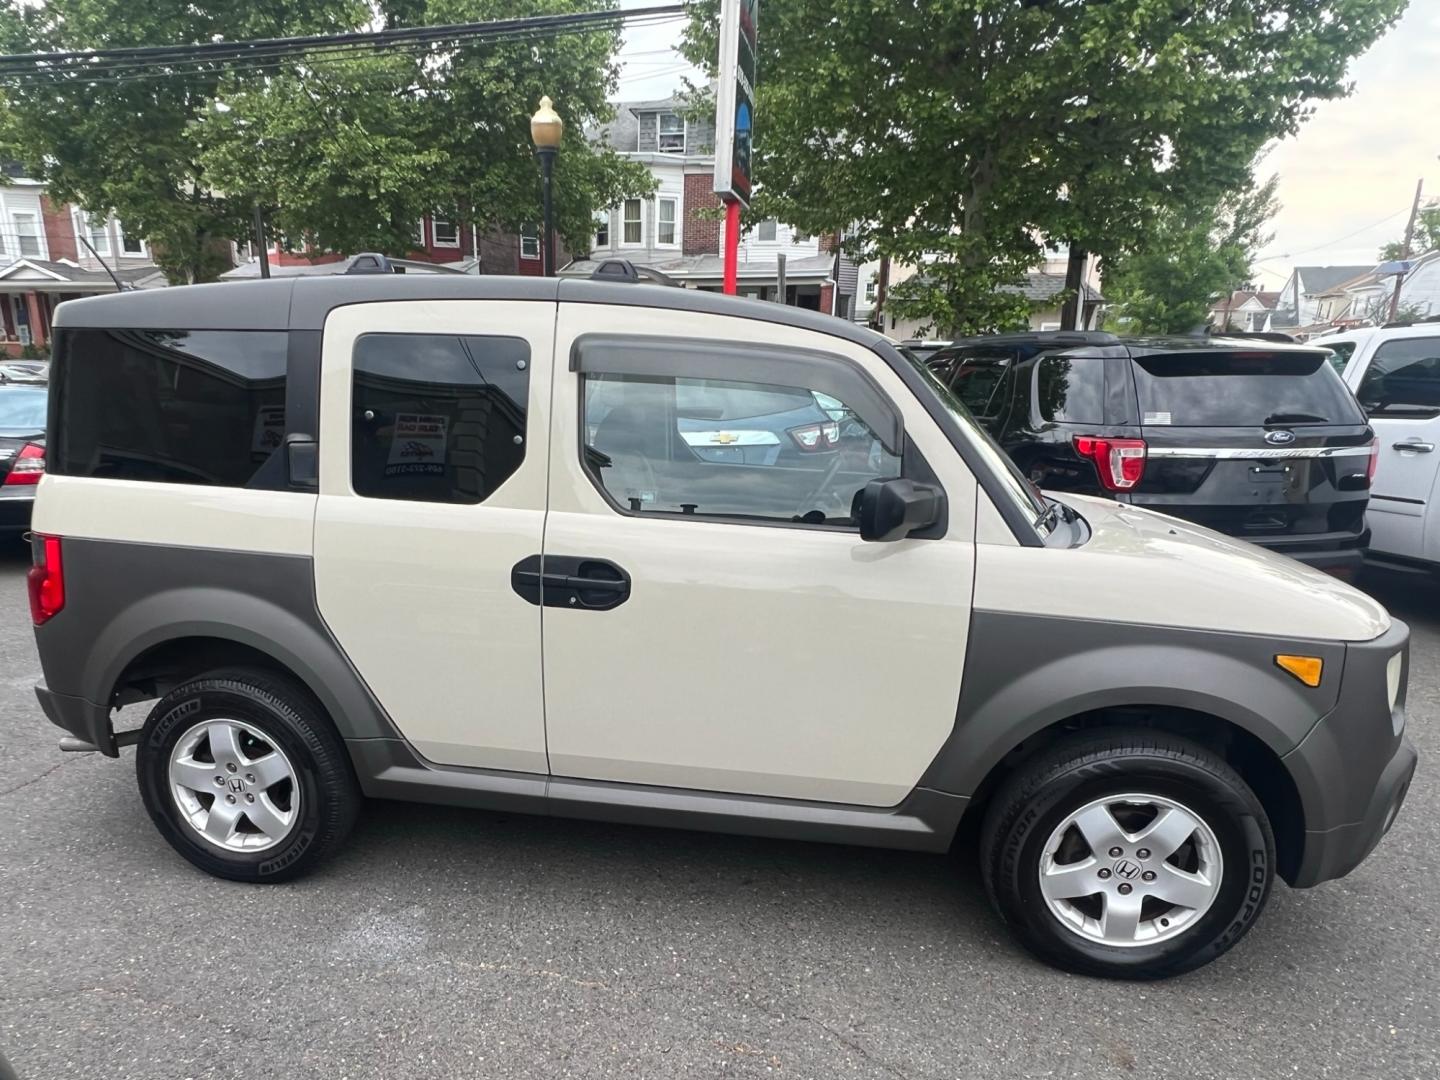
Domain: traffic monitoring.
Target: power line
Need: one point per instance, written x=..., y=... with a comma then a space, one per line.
x=167, y=60
x=1347, y=236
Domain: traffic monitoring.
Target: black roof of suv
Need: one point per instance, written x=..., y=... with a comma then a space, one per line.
x=1258, y=439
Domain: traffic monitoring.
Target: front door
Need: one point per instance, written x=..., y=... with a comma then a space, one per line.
x=1400, y=388
x=433, y=457
x=721, y=625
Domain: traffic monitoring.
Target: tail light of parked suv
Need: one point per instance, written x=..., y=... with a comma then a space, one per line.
x=46, y=579
x=816, y=436
x=28, y=466
x=1120, y=462
x=1372, y=463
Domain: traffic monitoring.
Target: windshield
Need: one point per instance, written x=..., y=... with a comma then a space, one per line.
x=22, y=410
x=1019, y=491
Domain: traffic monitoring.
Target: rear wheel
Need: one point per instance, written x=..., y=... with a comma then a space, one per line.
x=1131, y=855
x=243, y=774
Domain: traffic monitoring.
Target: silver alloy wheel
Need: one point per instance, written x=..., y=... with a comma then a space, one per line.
x=245, y=797
x=1120, y=852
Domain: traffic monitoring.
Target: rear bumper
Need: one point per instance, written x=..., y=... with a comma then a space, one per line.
x=83, y=719
x=1329, y=551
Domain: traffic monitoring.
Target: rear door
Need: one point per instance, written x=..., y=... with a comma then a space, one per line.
x=1267, y=445
x=433, y=455
x=1398, y=383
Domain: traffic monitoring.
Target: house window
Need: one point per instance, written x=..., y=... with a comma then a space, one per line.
x=89, y=228
x=870, y=292
x=602, y=229
x=27, y=234
x=665, y=222
x=418, y=236
x=130, y=245
x=634, y=231
x=447, y=233
x=766, y=229
x=529, y=242
x=670, y=133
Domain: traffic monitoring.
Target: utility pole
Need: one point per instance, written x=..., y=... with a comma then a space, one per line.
x=1405, y=255
x=877, y=317
x=260, y=249
x=1072, y=314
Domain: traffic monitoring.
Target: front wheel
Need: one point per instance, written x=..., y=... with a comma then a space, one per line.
x=244, y=775
x=1128, y=855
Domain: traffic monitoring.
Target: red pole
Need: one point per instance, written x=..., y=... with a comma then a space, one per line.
x=732, y=245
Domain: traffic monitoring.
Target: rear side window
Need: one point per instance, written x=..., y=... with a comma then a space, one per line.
x=1070, y=390
x=174, y=406
x=1341, y=351
x=981, y=380
x=1242, y=389
x=1403, y=377
x=437, y=417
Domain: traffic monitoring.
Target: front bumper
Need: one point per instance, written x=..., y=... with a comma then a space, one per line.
x=1353, y=769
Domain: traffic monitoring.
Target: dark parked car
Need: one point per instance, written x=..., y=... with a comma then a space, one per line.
x=1253, y=438
x=22, y=452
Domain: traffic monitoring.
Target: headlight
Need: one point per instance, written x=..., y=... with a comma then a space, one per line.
x=1392, y=688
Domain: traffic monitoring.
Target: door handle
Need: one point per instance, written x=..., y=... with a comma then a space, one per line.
x=570, y=582
x=1415, y=446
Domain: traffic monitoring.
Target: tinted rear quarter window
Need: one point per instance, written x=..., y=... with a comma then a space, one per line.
x=1242, y=389
x=1404, y=376
x=175, y=406
x=980, y=378
x=1070, y=390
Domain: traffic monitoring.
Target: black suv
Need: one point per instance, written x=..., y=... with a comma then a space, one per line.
x=1252, y=438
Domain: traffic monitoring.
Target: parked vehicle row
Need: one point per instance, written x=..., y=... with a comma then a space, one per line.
x=1256, y=439
x=654, y=555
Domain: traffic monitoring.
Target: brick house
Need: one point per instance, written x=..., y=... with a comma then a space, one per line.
x=43, y=261
x=678, y=230
x=438, y=240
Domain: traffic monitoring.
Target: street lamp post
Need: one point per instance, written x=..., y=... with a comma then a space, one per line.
x=545, y=130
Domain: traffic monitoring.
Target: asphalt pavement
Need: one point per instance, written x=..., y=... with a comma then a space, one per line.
x=448, y=943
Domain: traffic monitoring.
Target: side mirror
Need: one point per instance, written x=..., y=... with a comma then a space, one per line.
x=893, y=509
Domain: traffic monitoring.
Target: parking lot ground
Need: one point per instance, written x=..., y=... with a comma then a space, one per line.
x=448, y=943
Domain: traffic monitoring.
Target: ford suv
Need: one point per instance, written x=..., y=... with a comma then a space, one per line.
x=454, y=539
x=1256, y=439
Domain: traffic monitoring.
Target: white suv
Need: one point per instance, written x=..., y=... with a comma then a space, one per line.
x=1395, y=372
x=660, y=556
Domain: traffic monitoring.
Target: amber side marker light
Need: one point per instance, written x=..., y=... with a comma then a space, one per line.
x=1305, y=668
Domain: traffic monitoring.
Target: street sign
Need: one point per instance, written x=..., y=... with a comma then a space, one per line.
x=735, y=104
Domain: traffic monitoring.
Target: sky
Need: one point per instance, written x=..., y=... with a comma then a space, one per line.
x=1346, y=179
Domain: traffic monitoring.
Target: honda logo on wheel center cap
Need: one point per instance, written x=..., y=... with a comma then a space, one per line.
x=236, y=784
x=1126, y=869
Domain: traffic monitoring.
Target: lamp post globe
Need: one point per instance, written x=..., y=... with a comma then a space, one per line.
x=546, y=128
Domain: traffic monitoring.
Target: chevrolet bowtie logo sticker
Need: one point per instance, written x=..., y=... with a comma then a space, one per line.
x=724, y=438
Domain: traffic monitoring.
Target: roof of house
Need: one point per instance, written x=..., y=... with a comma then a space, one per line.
x=1240, y=297
x=1318, y=279
x=1040, y=286
x=808, y=269
x=56, y=275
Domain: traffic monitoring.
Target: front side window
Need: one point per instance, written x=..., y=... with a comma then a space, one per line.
x=633, y=227
x=437, y=417
x=173, y=406
x=447, y=233
x=665, y=222
x=670, y=138
x=1403, y=379
x=796, y=450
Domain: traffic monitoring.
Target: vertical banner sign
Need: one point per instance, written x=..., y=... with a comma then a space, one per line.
x=735, y=100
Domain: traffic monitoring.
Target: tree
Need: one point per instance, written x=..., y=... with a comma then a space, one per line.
x=345, y=152
x=1167, y=283
x=964, y=136
x=1427, y=237
x=352, y=154
x=123, y=145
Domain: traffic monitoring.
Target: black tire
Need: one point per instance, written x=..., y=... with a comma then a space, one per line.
x=1034, y=802
x=290, y=720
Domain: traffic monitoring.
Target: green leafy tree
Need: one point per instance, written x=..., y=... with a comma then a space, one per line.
x=123, y=144
x=1426, y=238
x=1189, y=256
x=351, y=154
x=965, y=135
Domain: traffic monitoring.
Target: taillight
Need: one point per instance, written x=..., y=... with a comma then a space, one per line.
x=1120, y=462
x=816, y=436
x=29, y=465
x=1373, y=462
x=46, y=580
